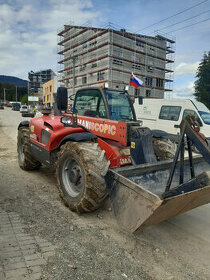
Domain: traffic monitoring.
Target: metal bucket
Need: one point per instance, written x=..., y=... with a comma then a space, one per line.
x=138, y=196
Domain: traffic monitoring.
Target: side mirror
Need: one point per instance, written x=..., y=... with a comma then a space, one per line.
x=72, y=97
x=66, y=121
x=140, y=100
x=62, y=98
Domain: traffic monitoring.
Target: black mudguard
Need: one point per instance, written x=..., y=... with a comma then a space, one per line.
x=77, y=137
x=23, y=123
x=159, y=134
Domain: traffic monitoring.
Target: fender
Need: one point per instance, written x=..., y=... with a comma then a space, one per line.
x=77, y=137
x=23, y=123
x=160, y=134
x=49, y=157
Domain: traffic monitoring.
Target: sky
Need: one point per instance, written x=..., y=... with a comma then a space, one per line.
x=28, y=31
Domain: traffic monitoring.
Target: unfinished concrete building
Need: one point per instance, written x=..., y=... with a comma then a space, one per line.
x=91, y=56
x=36, y=80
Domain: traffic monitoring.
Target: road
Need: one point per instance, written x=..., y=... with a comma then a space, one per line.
x=89, y=246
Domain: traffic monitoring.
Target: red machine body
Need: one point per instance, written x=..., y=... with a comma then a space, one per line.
x=47, y=132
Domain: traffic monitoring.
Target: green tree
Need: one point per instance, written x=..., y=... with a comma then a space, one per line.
x=24, y=99
x=202, y=84
x=11, y=92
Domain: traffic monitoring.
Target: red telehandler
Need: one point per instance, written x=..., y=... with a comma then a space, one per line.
x=99, y=148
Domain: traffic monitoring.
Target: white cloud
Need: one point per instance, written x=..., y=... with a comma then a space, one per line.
x=186, y=69
x=28, y=32
x=184, y=91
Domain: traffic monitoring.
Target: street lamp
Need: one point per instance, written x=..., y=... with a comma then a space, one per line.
x=4, y=96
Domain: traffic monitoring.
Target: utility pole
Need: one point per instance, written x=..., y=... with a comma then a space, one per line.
x=4, y=95
x=16, y=93
x=28, y=90
x=73, y=60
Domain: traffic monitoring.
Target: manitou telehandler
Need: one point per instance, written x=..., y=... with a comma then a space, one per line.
x=99, y=148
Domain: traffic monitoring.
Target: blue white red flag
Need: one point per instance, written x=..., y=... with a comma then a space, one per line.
x=134, y=81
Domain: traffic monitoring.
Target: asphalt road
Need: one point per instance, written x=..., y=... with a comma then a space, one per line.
x=92, y=245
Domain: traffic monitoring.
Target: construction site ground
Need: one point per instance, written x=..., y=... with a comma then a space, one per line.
x=40, y=238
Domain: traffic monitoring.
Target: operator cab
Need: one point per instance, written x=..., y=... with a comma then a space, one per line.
x=104, y=103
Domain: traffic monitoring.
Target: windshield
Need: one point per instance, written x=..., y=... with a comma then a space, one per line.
x=205, y=117
x=119, y=106
x=16, y=104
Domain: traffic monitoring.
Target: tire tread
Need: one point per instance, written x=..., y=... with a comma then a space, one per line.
x=95, y=166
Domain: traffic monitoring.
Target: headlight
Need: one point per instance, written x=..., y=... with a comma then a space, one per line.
x=66, y=120
x=125, y=152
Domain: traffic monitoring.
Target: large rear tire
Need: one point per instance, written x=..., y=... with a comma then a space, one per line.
x=80, y=171
x=25, y=160
x=164, y=148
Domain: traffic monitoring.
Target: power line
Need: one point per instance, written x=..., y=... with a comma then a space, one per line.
x=174, y=15
x=183, y=20
x=190, y=25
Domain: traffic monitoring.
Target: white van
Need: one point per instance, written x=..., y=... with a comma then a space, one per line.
x=167, y=114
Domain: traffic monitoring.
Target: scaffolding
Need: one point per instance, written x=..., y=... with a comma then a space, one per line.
x=90, y=56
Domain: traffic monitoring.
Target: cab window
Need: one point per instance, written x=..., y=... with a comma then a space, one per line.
x=90, y=103
x=119, y=106
x=170, y=113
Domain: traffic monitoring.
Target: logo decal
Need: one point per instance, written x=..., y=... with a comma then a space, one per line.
x=102, y=128
x=32, y=128
x=133, y=145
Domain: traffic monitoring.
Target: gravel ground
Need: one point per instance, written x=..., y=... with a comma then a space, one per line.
x=92, y=246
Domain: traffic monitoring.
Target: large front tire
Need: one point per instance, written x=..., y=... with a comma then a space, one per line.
x=164, y=149
x=80, y=170
x=25, y=160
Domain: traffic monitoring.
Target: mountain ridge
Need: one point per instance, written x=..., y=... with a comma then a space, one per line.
x=13, y=81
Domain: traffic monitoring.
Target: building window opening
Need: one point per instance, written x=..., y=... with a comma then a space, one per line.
x=93, y=44
x=148, y=82
x=117, y=57
x=101, y=76
x=136, y=66
x=117, y=61
x=84, y=80
x=140, y=44
x=159, y=83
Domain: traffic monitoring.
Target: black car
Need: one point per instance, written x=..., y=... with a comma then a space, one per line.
x=16, y=106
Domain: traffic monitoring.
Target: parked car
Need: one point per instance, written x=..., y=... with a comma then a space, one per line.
x=1, y=105
x=23, y=109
